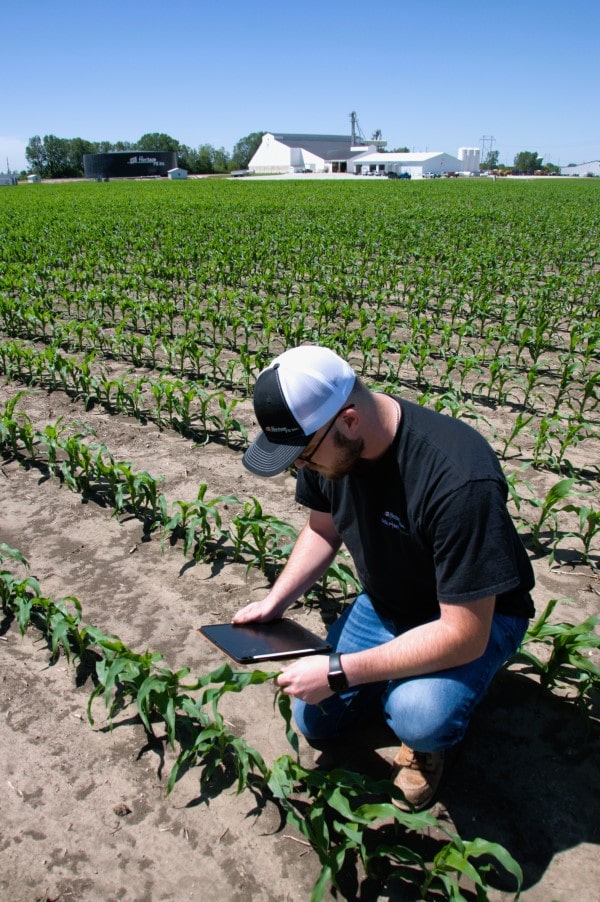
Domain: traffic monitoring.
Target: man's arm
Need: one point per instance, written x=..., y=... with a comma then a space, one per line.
x=315, y=549
x=459, y=636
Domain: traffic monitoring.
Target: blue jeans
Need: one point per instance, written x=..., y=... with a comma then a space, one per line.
x=428, y=713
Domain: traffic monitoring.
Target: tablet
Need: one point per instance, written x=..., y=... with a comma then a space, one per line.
x=276, y=640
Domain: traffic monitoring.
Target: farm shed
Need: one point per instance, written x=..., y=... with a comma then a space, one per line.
x=177, y=173
x=417, y=165
x=34, y=178
x=583, y=169
x=8, y=178
x=280, y=152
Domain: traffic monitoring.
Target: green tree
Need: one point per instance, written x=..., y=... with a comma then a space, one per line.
x=400, y=150
x=36, y=155
x=245, y=149
x=527, y=161
x=491, y=160
x=205, y=158
x=58, y=163
x=187, y=158
x=157, y=141
x=78, y=147
x=221, y=160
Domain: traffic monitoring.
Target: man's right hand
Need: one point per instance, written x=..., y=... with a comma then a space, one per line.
x=258, y=612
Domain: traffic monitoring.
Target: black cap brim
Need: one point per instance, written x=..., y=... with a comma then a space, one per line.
x=265, y=458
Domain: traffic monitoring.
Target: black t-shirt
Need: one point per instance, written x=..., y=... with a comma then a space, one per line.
x=427, y=521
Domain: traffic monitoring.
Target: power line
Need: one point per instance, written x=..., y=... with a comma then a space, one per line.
x=487, y=141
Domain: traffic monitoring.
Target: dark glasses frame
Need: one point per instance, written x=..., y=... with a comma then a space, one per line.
x=307, y=459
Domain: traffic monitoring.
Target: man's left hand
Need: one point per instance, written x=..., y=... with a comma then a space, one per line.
x=306, y=679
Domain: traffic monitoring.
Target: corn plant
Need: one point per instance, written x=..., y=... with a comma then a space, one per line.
x=329, y=810
x=589, y=527
x=568, y=663
x=258, y=536
x=198, y=523
x=548, y=510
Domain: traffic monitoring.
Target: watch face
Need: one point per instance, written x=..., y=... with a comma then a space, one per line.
x=336, y=677
x=337, y=681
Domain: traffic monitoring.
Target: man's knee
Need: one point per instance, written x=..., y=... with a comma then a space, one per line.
x=425, y=719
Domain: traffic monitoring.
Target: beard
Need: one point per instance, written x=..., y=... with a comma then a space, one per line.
x=349, y=452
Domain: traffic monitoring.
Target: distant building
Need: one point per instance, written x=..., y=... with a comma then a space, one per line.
x=9, y=178
x=34, y=178
x=128, y=164
x=415, y=165
x=283, y=152
x=177, y=173
x=583, y=169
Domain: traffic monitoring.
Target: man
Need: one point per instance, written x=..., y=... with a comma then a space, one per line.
x=419, y=500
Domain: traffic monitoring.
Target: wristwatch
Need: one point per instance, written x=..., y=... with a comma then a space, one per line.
x=336, y=676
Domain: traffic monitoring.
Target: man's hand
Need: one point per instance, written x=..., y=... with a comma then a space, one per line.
x=258, y=612
x=306, y=679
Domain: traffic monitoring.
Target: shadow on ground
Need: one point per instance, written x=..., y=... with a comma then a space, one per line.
x=526, y=776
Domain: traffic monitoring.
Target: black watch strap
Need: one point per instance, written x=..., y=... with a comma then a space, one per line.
x=336, y=677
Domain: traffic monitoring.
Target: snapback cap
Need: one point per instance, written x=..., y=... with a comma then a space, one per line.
x=298, y=393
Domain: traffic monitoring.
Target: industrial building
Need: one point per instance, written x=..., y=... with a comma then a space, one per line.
x=583, y=169
x=128, y=164
x=313, y=153
x=281, y=153
x=9, y=178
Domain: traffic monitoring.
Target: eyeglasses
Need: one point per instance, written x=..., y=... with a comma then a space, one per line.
x=307, y=459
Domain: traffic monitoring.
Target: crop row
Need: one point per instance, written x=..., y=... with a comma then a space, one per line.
x=327, y=808
x=185, y=405
x=252, y=536
x=258, y=538
x=180, y=404
x=500, y=362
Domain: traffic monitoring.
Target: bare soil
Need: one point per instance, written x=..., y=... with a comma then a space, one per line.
x=85, y=815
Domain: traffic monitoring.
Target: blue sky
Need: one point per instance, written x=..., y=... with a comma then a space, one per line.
x=430, y=75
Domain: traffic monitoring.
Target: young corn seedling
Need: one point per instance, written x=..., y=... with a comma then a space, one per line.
x=120, y=674
x=17, y=595
x=548, y=511
x=193, y=521
x=589, y=527
x=259, y=535
x=569, y=662
x=209, y=740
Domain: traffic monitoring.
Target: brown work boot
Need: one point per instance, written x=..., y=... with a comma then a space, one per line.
x=417, y=775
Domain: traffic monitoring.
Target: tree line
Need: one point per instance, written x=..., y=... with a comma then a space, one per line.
x=526, y=162
x=53, y=157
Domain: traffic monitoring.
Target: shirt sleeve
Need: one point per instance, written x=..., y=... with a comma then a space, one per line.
x=474, y=544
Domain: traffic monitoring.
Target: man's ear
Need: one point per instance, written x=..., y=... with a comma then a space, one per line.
x=349, y=422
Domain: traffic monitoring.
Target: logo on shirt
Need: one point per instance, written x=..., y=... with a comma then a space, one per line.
x=393, y=521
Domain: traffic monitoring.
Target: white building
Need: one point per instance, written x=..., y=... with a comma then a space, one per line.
x=280, y=153
x=177, y=173
x=583, y=169
x=415, y=165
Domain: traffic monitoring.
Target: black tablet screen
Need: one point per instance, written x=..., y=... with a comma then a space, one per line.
x=278, y=639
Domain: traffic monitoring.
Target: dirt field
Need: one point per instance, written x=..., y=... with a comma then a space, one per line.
x=84, y=810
